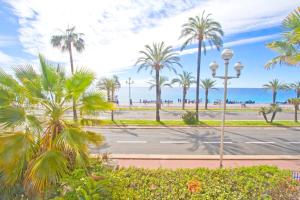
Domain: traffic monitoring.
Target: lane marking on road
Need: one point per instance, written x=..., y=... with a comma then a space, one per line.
x=132, y=141
x=260, y=142
x=216, y=142
x=293, y=142
x=174, y=142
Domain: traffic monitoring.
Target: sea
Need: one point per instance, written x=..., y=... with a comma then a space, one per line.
x=257, y=95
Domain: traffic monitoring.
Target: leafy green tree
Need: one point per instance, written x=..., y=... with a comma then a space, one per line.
x=38, y=145
x=155, y=58
x=288, y=47
x=185, y=80
x=207, y=84
x=295, y=102
x=65, y=42
x=205, y=31
x=274, y=86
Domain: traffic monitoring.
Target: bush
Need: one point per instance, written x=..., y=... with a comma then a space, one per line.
x=189, y=117
x=259, y=182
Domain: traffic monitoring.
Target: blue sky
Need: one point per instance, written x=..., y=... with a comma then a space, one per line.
x=116, y=31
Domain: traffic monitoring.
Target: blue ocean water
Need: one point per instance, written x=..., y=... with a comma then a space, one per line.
x=259, y=95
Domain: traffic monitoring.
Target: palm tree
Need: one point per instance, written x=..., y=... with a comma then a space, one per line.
x=264, y=111
x=110, y=85
x=38, y=149
x=295, y=86
x=203, y=30
x=274, y=109
x=115, y=85
x=275, y=85
x=287, y=47
x=65, y=42
x=105, y=84
x=296, y=103
x=207, y=84
x=157, y=57
x=185, y=80
x=163, y=82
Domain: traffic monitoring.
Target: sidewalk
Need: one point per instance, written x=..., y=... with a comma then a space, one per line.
x=208, y=161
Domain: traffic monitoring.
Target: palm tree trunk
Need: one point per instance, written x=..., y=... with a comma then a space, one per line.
x=198, y=78
x=183, y=98
x=273, y=116
x=274, y=97
x=157, y=95
x=298, y=95
x=71, y=58
x=72, y=70
x=265, y=117
x=112, y=111
x=206, y=98
x=296, y=113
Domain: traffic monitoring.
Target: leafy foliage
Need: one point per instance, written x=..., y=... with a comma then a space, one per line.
x=247, y=183
x=288, y=47
x=38, y=146
x=189, y=117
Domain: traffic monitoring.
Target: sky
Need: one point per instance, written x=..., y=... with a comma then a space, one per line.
x=115, y=31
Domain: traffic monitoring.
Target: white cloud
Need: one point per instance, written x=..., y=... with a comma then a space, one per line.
x=235, y=43
x=116, y=30
x=7, y=41
x=4, y=58
x=7, y=61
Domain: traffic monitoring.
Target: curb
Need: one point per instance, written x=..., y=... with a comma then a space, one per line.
x=198, y=157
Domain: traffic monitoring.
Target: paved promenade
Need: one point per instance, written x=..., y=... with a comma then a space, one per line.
x=203, y=115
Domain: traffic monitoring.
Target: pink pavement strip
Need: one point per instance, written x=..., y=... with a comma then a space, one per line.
x=173, y=164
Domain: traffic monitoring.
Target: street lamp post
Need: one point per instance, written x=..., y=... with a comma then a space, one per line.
x=129, y=82
x=227, y=54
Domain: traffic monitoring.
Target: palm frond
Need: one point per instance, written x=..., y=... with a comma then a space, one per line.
x=16, y=150
x=45, y=171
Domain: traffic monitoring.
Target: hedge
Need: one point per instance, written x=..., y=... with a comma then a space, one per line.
x=259, y=182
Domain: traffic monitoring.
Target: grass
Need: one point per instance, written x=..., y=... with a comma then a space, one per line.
x=203, y=123
x=192, y=109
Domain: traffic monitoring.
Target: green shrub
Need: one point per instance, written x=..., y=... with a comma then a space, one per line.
x=246, y=183
x=189, y=117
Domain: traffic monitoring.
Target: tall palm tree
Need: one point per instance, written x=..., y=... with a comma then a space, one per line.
x=274, y=86
x=38, y=149
x=205, y=31
x=65, y=42
x=157, y=57
x=296, y=86
x=110, y=85
x=287, y=47
x=296, y=103
x=207, y=84
x=185, y=80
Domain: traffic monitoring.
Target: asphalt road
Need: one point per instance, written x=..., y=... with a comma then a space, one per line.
x=200, y=141
x=176, y=115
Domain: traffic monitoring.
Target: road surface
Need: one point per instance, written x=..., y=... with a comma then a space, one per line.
x=200, y=141
x=206, y=115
